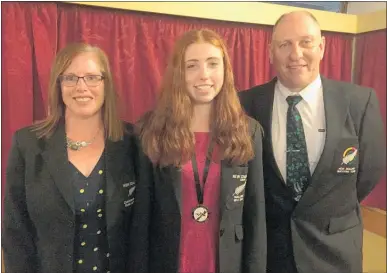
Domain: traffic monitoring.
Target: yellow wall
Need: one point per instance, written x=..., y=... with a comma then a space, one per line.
x=253, y=12
x=371, y=21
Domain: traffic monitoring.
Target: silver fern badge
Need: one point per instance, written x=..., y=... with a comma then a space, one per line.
x=239, y=192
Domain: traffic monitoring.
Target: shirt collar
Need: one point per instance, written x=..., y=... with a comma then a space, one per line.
x=308, y=94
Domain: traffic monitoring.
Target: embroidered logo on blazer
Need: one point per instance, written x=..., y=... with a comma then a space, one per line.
x=348, y=156
x=132, y=187
x=239, y=191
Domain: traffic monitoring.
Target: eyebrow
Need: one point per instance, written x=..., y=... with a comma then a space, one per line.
x=302, y=37
x=208, y=59
x=86, y=74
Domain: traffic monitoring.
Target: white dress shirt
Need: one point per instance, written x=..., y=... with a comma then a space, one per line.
x=312, y=112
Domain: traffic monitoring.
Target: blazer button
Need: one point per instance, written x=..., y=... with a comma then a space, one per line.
x=221, y=232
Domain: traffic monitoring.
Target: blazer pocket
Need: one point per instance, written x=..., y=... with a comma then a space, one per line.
x=342, y=223
x=239, y=232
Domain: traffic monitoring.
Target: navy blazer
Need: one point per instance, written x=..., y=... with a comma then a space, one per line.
x=156, y=217
x=39, y=217
x=323, y=231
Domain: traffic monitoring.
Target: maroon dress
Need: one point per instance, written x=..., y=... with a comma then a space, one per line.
x=199, y=241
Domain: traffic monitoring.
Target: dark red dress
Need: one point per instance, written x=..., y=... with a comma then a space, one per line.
x=199, y=241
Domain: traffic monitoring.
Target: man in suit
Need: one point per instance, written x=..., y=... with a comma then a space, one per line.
x=324, y=152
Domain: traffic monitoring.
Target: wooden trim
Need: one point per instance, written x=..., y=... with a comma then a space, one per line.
x=374, y=220
x=2, y=262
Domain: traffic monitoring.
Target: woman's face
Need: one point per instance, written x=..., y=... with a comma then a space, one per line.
x=83, y=97
x=204, y=72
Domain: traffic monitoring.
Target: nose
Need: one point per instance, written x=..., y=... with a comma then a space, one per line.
x=296, y=52
x=81, y=84
x=204, y=72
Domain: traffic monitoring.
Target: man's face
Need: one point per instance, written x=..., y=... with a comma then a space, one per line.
x=296, y=50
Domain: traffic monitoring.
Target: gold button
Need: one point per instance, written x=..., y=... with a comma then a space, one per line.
x=81, y=190
x=83, y=244
x=100, y=171
x=83, y=210
x=100, y=191
x=80, y=261
x=84, y=226
x=99, y=210
x=100, y=215
x=95, y=268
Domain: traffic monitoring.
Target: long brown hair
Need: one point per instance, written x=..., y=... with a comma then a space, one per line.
x=56, y=107
x=165, y=132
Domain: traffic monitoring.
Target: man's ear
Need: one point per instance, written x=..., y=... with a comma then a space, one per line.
x=322, y=47
x=270, y=53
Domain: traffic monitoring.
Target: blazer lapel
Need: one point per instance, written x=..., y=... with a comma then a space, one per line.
x=265, y=112
x=265, y=106
x=114, y=160
x=225, y=185
x=336, y=106
x=172, y=177
x=55, y=156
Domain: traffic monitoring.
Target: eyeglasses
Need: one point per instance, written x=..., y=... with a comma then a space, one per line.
x=72, y=80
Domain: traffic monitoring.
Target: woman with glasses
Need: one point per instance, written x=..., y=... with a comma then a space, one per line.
x=71, y=177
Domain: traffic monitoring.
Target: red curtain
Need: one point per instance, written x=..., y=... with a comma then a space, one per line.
x=29, y=45
x=137, y=44
x=337, y=61
x=371, y=71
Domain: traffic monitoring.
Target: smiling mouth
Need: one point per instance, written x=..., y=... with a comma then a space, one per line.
x=82, y=99
x=296, y=66
x=203, y=87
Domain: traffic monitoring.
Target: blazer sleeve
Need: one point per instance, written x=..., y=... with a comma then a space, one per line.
x=372, y=148
x=138, y=260
x=17, y=229
x=254, y=216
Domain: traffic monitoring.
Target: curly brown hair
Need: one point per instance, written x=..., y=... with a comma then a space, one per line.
x=165, y=132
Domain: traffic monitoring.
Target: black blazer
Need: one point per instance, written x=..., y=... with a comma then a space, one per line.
x=39, y=218
x=156, y=218
x=323, y=232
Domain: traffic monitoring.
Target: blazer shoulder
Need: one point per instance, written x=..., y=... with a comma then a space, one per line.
x=131, y=138
x=352, y=89
x=359, y=95
x=26, y=135
x=26, y=140
x=254, y=127
x=258, y=89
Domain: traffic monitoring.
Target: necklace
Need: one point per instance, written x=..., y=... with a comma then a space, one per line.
x=78, y=145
